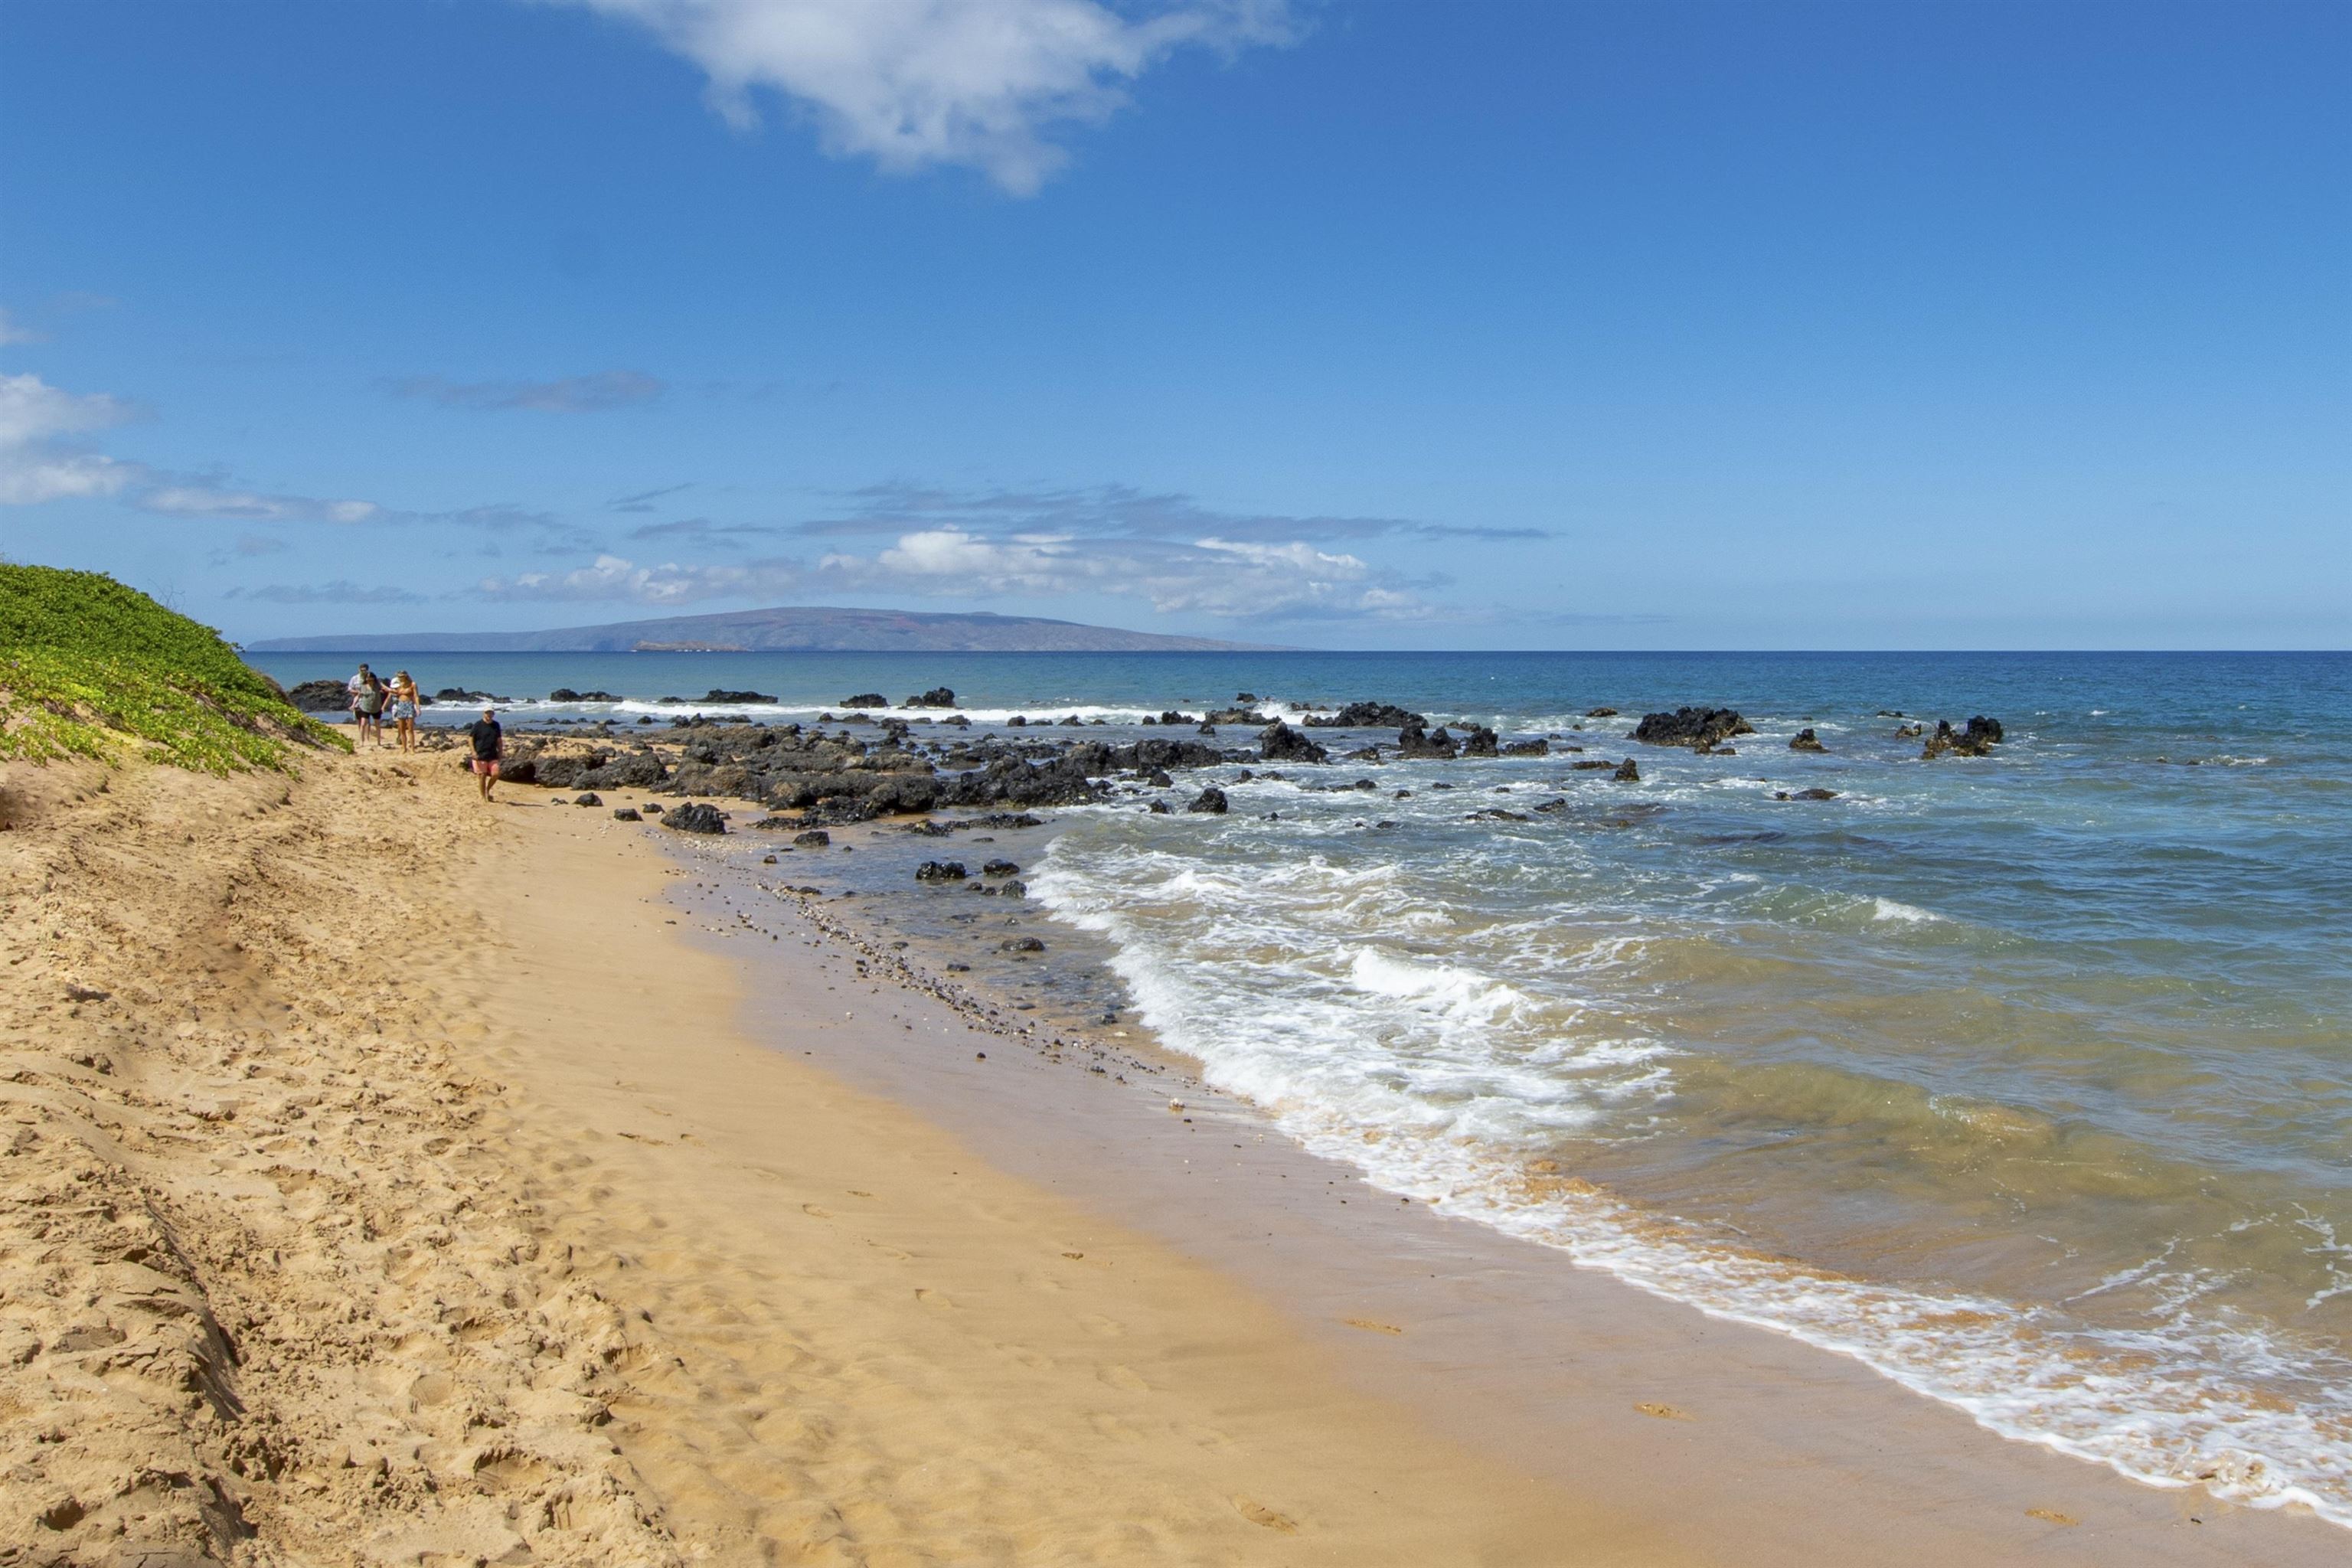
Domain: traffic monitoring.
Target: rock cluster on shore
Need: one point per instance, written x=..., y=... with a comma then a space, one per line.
x=825, y=777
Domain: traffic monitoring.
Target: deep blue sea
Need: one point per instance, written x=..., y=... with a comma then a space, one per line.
x=2026, y=1079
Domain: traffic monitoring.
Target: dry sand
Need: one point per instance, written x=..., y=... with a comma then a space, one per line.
x=387, y=1178
x=381, y=1182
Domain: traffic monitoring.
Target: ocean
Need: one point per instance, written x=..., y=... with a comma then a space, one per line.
x=2025, y=1079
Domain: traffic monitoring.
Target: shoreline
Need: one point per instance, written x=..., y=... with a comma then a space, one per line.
x=1083, y=1136
x=585, y=1229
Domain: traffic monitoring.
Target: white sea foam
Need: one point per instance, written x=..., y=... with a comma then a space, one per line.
x=1438, y=1078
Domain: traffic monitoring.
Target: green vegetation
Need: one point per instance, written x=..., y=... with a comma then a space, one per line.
x=89, y=667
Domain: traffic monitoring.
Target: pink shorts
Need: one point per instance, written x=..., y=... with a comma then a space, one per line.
x=490, y=768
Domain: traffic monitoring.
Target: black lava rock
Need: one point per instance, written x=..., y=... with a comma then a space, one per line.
x=1281, y=743
x=814, y=838
x=937, y=697
x=1211, y=800
x=626, y=814
x=1366, y=716
x=940, y=871
x=1806, y=741
x=865, y=700
x=694, y=817
x=1697, y=727
x=1977, y=740
x=321, y=696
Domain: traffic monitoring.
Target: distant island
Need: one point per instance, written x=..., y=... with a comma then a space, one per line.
x=814, y=629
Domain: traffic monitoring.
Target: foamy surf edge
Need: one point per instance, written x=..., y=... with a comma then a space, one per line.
x=2155, y=1406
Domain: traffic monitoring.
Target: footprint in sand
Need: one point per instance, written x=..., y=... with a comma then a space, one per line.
x=894, y=1254
x=1123, y=1378
x=1663, y=1412
x=2050, y=1516
x=1372, y=1325
x=1258, y=1513
x=815, y=1213
x=1101, y=1327
x=932, y=1297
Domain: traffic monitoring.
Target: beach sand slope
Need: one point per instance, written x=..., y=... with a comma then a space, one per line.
x=381, y=1180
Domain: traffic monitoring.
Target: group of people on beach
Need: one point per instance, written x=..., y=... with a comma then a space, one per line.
x=373, y=700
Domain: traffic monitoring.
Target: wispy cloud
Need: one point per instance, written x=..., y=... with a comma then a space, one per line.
x=1115, y=511
x=13, y=331
x=614, y=578
x=703, y=530
x=1233, y=579
x=917, y=83
x=39, y=461
x=206, y=500
x=644, y=499
x=340, y=592
x=593, y=393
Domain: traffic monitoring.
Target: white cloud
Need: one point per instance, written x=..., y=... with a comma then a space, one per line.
x=913, y=83
x=12, y=330
x=613, y=578
x=1230, y=579
x=246, y=506
x=33, y=465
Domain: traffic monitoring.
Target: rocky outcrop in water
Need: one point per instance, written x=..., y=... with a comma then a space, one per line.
x=1627, y=772
x=321, y=696
x=1699, y=729
x=1978, y=740
x=937, y=697
x=1281, y=743
x=940, y=871
x=1413, y=740
x=1806, y=741
x=718, y=694
x=1365, y=716
x=865, y=700
x=565, y=694
x=1211, y=801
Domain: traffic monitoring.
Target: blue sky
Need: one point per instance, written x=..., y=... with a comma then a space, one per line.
x=1898, y=324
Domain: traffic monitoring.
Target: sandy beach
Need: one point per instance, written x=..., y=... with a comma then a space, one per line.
x=394, y=1179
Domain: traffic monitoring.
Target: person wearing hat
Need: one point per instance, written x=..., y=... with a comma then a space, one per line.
x=489, y=742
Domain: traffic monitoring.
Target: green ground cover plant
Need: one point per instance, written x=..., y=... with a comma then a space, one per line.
x=89, y=667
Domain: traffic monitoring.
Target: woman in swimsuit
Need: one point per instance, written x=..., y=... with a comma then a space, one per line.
x=404, y=708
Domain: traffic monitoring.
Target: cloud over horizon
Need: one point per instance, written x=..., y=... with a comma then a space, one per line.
x=917, y=83
x=1114, y=510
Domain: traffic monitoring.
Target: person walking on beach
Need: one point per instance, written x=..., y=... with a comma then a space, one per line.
x=404, y=708
x=367, y=705
x=489, y=743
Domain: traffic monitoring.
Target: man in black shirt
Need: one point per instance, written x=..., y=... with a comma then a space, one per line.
x=489, y=741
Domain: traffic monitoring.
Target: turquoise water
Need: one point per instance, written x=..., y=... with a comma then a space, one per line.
x=2026, y=1079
